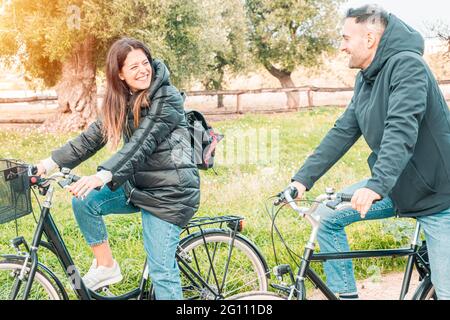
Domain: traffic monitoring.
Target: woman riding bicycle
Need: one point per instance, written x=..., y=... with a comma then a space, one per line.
x=153, y=172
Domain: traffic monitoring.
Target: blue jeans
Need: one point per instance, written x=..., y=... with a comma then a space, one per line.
x=437, y=234
x=161, y=238
x=332, y=238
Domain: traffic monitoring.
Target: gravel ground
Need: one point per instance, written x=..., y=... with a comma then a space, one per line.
x=387, y=287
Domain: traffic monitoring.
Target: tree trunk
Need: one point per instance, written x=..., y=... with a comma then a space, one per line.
x=220, y=101
x=293, y=98
x=77, y=90
x=219, y=86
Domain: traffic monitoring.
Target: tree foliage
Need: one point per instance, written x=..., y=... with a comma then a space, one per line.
x=199, y=39
x=285, y=34
x=43, y=33
x=441, y=30
x=289, y=33
x=226, y=44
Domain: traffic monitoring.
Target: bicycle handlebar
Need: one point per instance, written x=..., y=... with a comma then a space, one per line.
x=330, y=199
x=345, y=197
x=292, y=192
x=64, y=176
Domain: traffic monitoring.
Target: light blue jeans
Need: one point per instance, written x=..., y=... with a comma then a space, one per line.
x=332, y=238
x=161, y=238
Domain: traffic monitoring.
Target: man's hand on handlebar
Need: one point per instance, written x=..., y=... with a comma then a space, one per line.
x=295, y=191
x=301, y=189
x=363, y=199
x=360, y=201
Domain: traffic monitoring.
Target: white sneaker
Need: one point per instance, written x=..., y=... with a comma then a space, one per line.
x=100, y=276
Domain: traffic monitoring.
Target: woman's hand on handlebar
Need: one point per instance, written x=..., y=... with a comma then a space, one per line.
x=41, y=171
x=85, y=185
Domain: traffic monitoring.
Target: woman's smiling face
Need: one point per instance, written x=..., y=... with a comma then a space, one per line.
x=136, y=71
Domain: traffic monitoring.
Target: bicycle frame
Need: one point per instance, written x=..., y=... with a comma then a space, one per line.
x=309, y=256
x=306, y=272
x=47, y=227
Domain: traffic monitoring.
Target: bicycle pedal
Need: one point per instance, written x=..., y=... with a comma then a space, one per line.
x=282, y=288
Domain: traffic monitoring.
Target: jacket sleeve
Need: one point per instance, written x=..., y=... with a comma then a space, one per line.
x=166, y=113
x=406, y=109
x=81, y=148
x=336, y=143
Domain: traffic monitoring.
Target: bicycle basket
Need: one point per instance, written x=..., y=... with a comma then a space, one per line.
x=15, y=197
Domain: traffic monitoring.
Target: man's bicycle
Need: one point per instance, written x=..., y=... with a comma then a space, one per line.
x=215, y=260
x=295, y=288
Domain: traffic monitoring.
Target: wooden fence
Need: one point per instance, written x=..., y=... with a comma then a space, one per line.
x=310, y=90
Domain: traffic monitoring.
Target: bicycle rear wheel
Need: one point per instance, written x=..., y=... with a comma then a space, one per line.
x=42, y=289
x=225, y=268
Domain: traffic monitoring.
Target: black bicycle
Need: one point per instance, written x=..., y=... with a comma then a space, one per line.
x=295, y=287
x=215, y=260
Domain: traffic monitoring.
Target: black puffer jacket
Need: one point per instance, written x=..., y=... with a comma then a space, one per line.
x=154, y=165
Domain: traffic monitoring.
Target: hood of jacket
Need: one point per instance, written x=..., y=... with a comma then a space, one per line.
x=398, y=37
x=160, y=78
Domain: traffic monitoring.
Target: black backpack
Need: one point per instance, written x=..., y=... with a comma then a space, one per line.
x=203, y=139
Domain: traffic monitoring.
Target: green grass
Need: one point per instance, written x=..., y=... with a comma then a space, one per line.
x=239, y=188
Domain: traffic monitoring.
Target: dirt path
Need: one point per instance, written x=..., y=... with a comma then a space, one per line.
x=387, y=287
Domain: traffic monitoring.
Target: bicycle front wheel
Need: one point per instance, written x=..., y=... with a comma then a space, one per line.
x=226, y=267
x=425, y=290
x=11, y=287
x=256, y=295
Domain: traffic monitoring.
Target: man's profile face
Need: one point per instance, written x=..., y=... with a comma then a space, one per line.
x=355, y=44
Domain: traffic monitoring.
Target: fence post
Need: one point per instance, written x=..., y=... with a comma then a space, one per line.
x=238, y=103
x=310, y=98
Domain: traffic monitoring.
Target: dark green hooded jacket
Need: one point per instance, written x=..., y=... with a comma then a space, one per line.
x=155, y=164
x=399, y=109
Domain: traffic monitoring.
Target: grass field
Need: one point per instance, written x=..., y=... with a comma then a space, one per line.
x=241, y=187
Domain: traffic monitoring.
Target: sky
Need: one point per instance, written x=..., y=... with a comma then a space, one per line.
x=414, y=12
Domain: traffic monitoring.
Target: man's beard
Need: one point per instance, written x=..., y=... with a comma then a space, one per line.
x=354, y=62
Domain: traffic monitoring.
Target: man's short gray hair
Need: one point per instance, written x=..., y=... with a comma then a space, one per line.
x=369, y=14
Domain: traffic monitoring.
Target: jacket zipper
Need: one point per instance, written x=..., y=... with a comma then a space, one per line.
x=129, y=197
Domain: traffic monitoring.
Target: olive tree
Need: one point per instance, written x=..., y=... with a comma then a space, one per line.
x=225, y=44
x=64, y=43
x=285, y=34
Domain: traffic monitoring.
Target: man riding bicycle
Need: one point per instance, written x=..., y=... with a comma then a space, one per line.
x=399, y=109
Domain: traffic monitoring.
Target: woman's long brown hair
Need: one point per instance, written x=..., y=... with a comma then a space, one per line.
x=117, y=93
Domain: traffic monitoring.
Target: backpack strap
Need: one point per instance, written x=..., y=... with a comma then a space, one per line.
x=198, y=116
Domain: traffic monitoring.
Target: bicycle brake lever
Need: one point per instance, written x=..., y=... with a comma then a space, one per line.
x=64, y=183
x=333, y=204
x=281, y=196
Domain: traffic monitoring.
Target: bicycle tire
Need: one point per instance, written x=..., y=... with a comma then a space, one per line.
x=42, y=289
x=243, y=257
x=425, y=290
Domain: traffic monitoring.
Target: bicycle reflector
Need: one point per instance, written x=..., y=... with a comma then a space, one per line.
x=236, y=225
